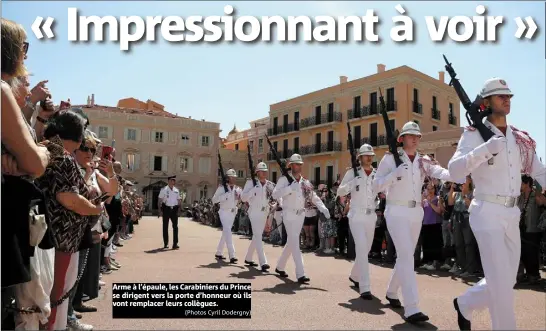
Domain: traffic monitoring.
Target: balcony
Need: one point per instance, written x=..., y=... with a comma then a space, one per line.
x=452, y=119
x=284, y=154
x=359, y=143
x=435, y=114
x=362, y=112
x=391, y=105
x=417, y=108
x=328, y=147
x=282, y=129
x=323, y=119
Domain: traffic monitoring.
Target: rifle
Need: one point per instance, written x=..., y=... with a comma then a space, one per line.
x=475, y=112
x=284, y=171
x=391, y=138
x=252, y=173
x=354, y=163
x=224, y=179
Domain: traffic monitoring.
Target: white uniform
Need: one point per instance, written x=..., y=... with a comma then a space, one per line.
x=293, y=215
x=494, y=219
x=228, y=211
x=258, y=210
x=169, y=196
x=404, y=216
x=362, y=221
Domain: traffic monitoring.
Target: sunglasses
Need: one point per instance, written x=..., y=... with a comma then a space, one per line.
x=25, y=47
x=86, y=149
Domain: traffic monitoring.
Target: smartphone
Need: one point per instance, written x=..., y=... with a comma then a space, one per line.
x=106, y=152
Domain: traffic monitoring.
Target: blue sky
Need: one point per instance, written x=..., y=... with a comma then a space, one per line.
x=236, y=83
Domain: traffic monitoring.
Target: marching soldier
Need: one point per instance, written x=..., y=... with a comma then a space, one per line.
x=362, y=217
x=228, y=210
x=494, y=212
x=258, y=200
x=169, y=202
x=295, y=196
x=404, y=214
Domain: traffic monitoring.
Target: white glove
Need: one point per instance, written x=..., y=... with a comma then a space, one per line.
x=401, y=170
x=496, y=144
x=327, y=214
x=295, y=186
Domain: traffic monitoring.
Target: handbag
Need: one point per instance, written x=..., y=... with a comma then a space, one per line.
x=37, y=224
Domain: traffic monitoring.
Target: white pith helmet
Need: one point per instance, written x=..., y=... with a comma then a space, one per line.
x=495, y=86
x=231, y=173
x=296, y=159
x=366, y=149
x=261, y=167
x=410, y=128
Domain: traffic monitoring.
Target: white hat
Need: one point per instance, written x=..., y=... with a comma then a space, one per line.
x=261, y=167
x=296, y=159
x=231, y=173
x=495, y=86
x=366, y=150
x=410, y=128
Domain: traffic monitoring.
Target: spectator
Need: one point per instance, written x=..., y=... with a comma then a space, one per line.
x=68, y=206
x=432, y=228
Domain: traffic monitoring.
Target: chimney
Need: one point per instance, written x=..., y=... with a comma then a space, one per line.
x=92, y=100
x=380, y=68
x=88, y=101
x=441, y=76
x=343, y=79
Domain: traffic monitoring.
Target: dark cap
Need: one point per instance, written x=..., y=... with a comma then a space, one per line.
x=171, y=177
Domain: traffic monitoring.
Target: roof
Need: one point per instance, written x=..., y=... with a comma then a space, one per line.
x=122, y=110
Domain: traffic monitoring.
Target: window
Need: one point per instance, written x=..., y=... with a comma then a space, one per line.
x=373, y=134
x=275, y=125
x=373, y=103
x=204, y=165
x=450, y=108
x=251, y=146
x=317, y=176
x=130, y=162
x=434, y=128
x=236, y=147
x=260, y=146
x=285, y=123
x=185, y=139
x=392, y=123
x=296, y=145
x=240, y=174
x=103, y=132
x=158, y=162
x=203, y=192
x=390, y=99
x=158, y=137
x=318, y=115
x=434, y=106
x=184, y=164
x=330, y=176
x=131, y=134
x=274, y=176
x=296, y=121
x=205, y=141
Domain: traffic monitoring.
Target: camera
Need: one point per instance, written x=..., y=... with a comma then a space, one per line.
x=457, y=187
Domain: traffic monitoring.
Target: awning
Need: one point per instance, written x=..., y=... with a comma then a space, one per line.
x=158, y=184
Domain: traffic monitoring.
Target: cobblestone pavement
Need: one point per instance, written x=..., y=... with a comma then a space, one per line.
x=328, y=302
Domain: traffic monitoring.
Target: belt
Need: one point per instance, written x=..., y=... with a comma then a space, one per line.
x=295, y=210
x=231, y=210
x=171, y=206
x=403, y=203
x=508, y=202
x=364, y=210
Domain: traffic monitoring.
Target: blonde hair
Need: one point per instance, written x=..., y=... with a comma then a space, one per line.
x=13, y=39
x=15, y=83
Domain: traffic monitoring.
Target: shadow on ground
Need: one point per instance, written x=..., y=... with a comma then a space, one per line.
x=289, y=287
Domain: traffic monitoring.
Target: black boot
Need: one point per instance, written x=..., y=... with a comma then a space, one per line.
x=464, y=324
x=417, y=318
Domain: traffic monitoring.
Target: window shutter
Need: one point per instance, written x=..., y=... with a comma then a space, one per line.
x=164, y=164
x=138, y=134
x=137, y=161
x=110, y=132
x=151, y=162
x=190, y=164
x=126, y=134
x=124, y=163
x=152, y=136
x=208, y=165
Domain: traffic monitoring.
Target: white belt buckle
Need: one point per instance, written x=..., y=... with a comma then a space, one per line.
x=412, y=204
x=232, y=210
x=368, y=211
x=509, y=202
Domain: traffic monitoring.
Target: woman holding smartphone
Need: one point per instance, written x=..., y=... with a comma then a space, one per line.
x=102, y=183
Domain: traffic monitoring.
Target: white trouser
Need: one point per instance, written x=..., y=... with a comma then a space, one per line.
x=293, y=223
x=363, y=229
x=226, y=217
x=257, y=219
x=404, y=225
x=496, y=229
x=65, y=275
